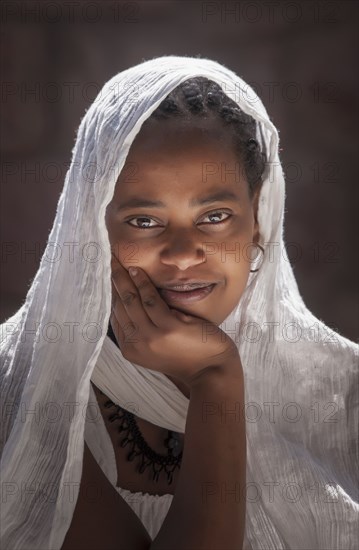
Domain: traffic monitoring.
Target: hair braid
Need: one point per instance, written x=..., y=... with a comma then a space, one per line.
x=202, y=97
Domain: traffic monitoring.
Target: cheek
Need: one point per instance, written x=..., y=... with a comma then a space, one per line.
x=236, y=266
x=237, y=277
x=128, y=253
x=133, y=252
x=126, y=249
x=235, y=254
x=114, y=235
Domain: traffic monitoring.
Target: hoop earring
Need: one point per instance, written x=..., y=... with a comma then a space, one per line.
x=255, y=270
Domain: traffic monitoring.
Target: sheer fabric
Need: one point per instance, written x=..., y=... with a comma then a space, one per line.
x=301, y=378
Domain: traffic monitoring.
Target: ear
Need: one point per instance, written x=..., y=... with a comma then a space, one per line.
x=255, y=202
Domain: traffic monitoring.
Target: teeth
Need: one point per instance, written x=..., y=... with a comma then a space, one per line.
x=187, y=289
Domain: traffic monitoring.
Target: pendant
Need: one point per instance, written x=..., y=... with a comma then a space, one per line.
x=173, y=443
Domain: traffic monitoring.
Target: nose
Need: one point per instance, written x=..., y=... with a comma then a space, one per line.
x=182, y=250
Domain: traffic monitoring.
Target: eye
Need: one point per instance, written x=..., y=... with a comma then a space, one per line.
x=217, y=214
x=143, y=219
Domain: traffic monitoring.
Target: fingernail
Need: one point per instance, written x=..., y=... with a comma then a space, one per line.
x=133, y=271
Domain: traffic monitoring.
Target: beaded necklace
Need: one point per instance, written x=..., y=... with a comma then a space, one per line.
x=132, y=435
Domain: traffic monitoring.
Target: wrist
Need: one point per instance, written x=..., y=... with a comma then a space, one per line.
x=218, y=372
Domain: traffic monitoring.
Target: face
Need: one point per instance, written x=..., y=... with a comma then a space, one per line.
x=182, y=212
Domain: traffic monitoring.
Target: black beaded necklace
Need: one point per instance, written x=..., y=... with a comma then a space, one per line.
x=132, y=434
x=149, y=457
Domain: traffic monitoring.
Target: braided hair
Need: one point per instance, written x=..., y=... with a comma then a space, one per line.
x=201, y=97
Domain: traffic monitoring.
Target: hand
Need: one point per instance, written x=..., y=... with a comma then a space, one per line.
x=155, y=336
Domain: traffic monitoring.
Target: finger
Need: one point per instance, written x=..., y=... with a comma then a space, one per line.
x=115, y=324
x=116, y=267
x=129, y=296
x=117, y=330
x=125, y=334
x=126, y=326
x=152, y=302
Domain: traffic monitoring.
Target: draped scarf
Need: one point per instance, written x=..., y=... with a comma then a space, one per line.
x=301, y=377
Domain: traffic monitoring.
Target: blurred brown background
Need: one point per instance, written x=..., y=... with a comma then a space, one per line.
x=300, y=56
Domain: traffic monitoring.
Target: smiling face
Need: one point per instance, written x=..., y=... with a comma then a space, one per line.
x=182, y=212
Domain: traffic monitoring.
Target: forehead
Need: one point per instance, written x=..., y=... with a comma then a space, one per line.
x=176, y=134
x=170, y=155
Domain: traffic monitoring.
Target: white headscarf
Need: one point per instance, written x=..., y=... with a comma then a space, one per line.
x=301, y=378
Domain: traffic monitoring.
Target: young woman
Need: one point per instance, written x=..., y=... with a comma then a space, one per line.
x=196, y=403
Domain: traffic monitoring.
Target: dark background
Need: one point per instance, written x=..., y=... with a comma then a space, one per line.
x=301, y=57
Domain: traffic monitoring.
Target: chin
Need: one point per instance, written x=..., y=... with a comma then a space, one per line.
x=190, y=311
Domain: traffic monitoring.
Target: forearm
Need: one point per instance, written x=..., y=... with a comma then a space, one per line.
x=208, y=509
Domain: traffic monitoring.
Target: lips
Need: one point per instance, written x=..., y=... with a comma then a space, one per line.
x=186, y=293
x=186, y=287
x=185, y=284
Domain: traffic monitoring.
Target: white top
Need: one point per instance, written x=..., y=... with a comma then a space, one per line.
x=151, y=509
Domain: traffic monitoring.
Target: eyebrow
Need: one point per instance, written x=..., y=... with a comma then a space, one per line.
x=136, y=202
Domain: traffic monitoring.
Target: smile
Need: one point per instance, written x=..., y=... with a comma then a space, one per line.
x=186, y=296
